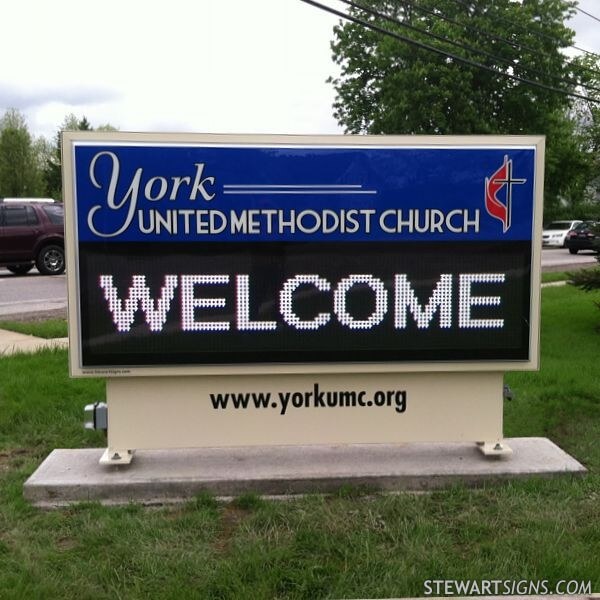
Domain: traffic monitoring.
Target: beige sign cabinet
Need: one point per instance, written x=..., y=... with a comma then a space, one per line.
x=326, y=403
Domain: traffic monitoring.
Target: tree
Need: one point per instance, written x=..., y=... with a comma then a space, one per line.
x=53, y=162
x=20, y=173
x=588, y=279
x=53, y=165
x=391, y=86
x=586, y=113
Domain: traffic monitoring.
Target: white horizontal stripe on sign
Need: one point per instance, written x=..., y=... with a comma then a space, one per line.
x=285, y=185
x=286, y=188
x=300, y=192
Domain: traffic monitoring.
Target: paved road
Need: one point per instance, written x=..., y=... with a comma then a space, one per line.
x=35, y=293
x=559, y=259
x=31, y=293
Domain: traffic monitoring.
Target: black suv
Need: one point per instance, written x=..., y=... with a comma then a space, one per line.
x=585, y=236
x=32, y=233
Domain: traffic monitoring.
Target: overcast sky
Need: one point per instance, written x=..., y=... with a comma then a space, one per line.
x=214, y=66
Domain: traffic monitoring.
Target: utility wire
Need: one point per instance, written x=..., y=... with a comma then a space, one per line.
x=516, y=45
x=455, y=57
x=587, y=14
x=469, y=6
x=480, y=51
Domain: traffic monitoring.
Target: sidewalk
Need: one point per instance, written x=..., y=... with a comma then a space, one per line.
x=13, y=343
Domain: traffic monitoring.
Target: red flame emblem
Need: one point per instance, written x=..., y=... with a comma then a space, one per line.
x=501, y=179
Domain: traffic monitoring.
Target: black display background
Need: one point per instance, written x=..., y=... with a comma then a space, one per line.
x=268, y=266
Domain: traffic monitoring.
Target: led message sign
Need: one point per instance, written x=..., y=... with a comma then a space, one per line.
x=200, y=251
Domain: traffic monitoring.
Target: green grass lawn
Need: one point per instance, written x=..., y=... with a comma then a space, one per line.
x=49, y=329
x=552, y=277
x=341, y=545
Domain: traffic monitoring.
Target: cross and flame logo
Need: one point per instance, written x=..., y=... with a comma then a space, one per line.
x=502, y=179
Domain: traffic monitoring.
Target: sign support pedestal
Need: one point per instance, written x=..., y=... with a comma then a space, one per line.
x=371, y=408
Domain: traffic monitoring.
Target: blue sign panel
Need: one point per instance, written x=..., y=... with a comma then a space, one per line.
x=299, y=194
x=196, y=254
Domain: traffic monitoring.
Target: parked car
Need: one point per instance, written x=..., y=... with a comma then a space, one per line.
x=32, y=233
x=555, y=234
x=48, y=200
x=585, y=236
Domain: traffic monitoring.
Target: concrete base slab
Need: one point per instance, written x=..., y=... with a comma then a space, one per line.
x=163, y=476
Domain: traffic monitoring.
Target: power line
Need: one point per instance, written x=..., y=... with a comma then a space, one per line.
x=455, y=57
x=587, y=14
x=480, y=51
x=516, y=45
x=543, y=34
